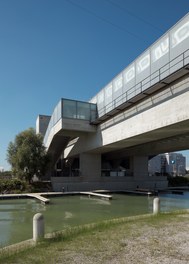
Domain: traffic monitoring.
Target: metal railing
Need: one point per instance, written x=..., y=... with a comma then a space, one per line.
x=66, y=173
x=116, y=173
x=166, y=70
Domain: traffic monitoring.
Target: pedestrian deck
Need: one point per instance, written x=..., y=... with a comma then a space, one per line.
x=42, y=196
x=98, y=195
x=38, y=196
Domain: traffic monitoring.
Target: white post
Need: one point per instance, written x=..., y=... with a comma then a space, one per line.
x=38, y=227
x=156, y=205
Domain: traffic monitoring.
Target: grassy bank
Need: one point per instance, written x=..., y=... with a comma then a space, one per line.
x=127, y=240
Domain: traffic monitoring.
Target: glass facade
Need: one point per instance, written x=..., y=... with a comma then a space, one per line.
x=69, y=109
x=166, y=56
x=73, y=110
x=78, y=110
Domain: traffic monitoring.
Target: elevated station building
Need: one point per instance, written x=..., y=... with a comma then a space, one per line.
x=105, y=143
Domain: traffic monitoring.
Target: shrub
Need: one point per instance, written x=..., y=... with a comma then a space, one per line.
x=12, y=185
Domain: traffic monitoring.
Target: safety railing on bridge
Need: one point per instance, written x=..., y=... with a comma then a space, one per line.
x=169, y=69
x=116, y=173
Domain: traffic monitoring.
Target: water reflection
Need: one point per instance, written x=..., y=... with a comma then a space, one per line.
x=68, y=215
x=174, y=200
x=16, y=216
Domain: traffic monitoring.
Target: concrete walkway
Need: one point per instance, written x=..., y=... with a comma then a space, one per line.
x=97, y=194
x=42, y=196
x=25, y=195
x=39, y=197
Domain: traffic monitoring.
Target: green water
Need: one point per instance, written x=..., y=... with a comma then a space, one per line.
x=16, y=216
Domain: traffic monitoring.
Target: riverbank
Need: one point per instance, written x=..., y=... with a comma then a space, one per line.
x=133, y=240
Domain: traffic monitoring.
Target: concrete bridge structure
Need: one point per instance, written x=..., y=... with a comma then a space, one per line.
x=106, y=143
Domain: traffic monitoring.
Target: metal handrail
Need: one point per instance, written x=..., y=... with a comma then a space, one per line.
x=158, y=76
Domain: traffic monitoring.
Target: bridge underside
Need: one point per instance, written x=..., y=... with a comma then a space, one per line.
x=167, y=139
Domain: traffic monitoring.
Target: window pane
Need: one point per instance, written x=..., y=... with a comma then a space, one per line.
x=69, y=109
x=83, y=111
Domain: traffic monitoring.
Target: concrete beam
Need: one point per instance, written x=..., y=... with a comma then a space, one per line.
x=163, y=115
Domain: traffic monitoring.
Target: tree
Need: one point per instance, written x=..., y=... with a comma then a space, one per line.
x=27, y=155
x=4, y=174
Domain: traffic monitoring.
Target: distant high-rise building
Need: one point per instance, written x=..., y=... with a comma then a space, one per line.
x=173, y=164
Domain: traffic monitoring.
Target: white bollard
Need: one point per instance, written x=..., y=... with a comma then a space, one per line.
x=38, y=227
x=156, y=205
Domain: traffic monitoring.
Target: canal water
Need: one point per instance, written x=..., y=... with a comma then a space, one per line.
x=16, y=216
x=174, y=200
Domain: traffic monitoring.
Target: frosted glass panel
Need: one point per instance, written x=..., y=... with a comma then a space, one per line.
x=100, y=103
x=179, y=38
x=143, y=67
x=160, y=54
x=117, y=86
x=160, y=49
x=179, y=34
x=129, y=74
x=108, y=94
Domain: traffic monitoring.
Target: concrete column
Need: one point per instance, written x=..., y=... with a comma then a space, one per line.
x=140, y=171
x=156, y=205
x=140, y=166
x=90, y=166
x=38, y=227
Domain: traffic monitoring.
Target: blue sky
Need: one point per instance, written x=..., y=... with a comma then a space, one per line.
x=52, y=49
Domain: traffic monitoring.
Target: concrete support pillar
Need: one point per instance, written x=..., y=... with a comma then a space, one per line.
x=156, y=206
x=38, y=227
x=90, y=166
x=140, y=167
x=140, y=171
